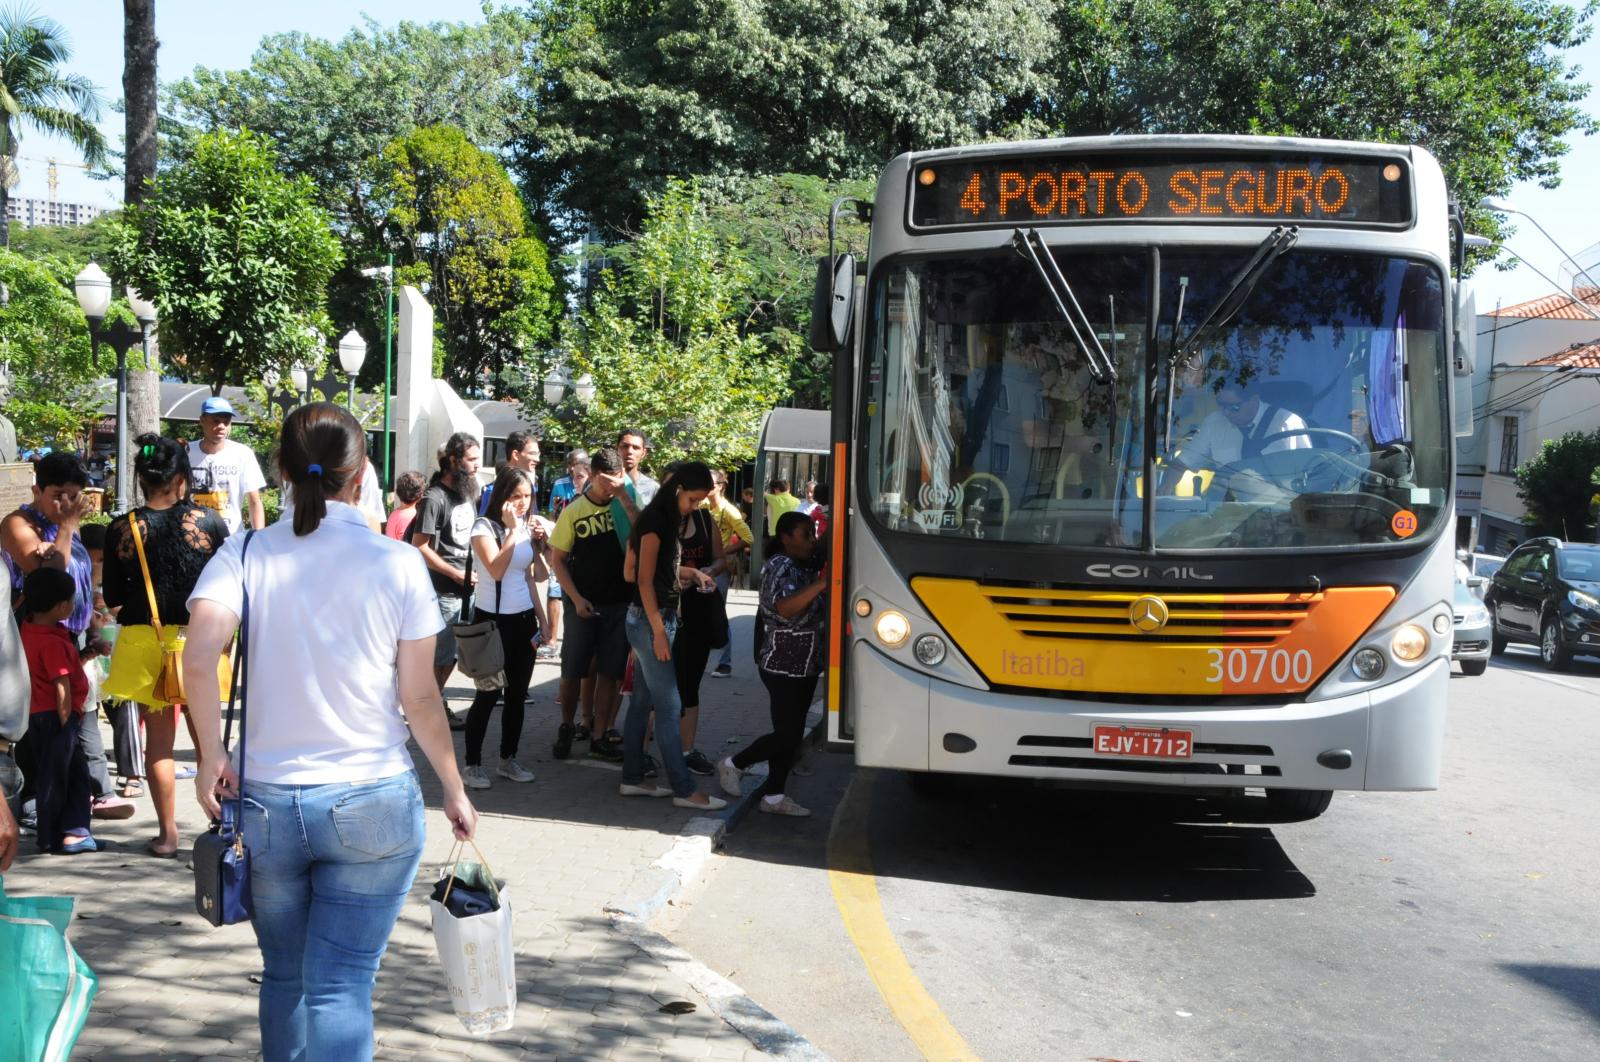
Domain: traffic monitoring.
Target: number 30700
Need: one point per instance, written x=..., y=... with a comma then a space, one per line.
x=1241, y=666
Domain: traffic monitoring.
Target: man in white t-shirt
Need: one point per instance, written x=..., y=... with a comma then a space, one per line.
x=227, y=475
x=1242, y=427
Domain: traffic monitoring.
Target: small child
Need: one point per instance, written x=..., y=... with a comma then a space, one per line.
x=59, y=688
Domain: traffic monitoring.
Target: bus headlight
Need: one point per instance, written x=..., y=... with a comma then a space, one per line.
x=929, y=649
x=1367, y=664
x=863, y=608
x=1410, y=643
x=892, y=628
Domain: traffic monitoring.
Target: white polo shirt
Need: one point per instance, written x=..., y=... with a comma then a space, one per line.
x=1220, y=442
x=327, y=614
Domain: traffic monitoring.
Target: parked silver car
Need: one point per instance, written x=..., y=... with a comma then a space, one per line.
x=1471, y=645
x=1481, y=567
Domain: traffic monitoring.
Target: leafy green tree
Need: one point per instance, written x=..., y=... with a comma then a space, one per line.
x=44, y=342
x=1480, y=83
x=625, y=93
x=453, y=218
x=34, y=92
x=1555, y=486
x=661, y=339
x=780, y=225
x=74, y=245
x=236, y=257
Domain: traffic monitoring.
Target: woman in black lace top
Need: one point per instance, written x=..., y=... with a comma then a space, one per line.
x=179, y=538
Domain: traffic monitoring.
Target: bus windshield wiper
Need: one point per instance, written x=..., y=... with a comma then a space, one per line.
x=1227, y=308
x=1239, y=289
x=1031, y=246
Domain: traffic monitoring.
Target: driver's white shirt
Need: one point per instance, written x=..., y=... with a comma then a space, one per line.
x=1220, y=442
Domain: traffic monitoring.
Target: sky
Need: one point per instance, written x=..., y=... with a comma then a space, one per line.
x=224, y=34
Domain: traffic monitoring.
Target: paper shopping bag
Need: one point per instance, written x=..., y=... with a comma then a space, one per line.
x=471, y=912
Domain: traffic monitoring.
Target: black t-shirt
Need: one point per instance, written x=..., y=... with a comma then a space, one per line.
x=587, y=534
x=669, y=555
x=178, y=541
x=448, y=517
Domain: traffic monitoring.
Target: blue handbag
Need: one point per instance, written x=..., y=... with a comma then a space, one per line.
x=221, y=861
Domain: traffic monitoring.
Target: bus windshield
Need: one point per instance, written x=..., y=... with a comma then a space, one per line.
x=1311, y=414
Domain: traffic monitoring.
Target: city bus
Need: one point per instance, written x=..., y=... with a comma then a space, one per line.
x=1146, y=460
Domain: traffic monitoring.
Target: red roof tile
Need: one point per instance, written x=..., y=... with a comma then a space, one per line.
x=1584, y=356
x=1558, y=307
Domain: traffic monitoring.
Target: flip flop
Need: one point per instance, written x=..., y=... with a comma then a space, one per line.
x=151, y=849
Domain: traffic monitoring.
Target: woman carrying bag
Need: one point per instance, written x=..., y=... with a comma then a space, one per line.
x=504, y=559
x=341, y=642
x=154, y=555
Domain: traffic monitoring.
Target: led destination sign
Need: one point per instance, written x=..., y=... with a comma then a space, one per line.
x=1031, y=191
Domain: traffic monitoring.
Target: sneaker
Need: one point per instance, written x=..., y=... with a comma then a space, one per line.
x=728, y=775
x=581, y=733
x=476, y=777
x=83, y=844
x=697, y=762
x=644, y=790
x=563, y=746
x=182, y=771
x=651, y=769
x=602, y=748
x=110, y=807
x=515, y=771
x=722, y=671
x=712, y=803
x=783, y=807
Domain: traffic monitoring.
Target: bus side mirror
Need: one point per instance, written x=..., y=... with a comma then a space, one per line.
x=832, y=303
x=1463, y=358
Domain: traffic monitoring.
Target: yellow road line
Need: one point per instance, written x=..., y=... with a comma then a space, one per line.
x=855, y=891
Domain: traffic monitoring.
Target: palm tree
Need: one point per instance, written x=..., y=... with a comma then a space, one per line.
x=35, y=93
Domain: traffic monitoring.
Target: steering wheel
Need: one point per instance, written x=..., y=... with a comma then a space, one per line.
x=1355, y=444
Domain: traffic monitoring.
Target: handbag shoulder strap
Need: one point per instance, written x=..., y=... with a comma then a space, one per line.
x=144, y=569
x=240, y=674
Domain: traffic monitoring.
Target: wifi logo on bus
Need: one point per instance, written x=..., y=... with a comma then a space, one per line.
x=933, y=496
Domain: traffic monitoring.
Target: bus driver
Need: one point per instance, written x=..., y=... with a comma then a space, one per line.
x=1240, y=428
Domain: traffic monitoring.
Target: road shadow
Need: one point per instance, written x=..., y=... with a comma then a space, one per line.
x=1526, y=658
x=1018, y=836
x=1578, y=985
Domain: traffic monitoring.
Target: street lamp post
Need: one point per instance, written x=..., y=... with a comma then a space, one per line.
x=301, y=380
x=1506, y=206
x=93, y=289
x=352, y=352
x=387, y=273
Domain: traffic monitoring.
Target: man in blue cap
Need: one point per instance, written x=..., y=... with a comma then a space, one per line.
x=226, y=470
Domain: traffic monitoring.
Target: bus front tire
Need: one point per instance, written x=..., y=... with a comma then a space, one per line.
x=1298, y=805
x=933, y=785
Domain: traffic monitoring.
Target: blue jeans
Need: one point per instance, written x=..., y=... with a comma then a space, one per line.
x=331, y=867
x=726, y=658
x=655, y=688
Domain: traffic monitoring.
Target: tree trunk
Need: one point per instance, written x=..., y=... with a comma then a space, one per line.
x=139, y=90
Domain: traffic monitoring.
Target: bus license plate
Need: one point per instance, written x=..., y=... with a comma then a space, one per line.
x=1148, y=741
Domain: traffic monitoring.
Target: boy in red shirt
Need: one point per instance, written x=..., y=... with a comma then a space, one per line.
x=56, y=712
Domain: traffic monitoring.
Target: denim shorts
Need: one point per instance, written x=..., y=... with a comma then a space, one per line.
x=444, y=646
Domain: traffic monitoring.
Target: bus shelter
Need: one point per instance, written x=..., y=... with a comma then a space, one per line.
x=794, y=446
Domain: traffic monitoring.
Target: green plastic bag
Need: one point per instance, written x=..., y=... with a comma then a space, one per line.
x=45, y=987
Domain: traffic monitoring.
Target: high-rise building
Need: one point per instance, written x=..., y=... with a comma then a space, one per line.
x=34, y=212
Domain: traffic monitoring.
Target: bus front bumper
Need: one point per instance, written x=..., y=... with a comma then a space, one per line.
x=1391, y=736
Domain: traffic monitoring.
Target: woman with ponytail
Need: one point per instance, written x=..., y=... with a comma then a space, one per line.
x=340, y=645
x=654, y=566
x=179, y=539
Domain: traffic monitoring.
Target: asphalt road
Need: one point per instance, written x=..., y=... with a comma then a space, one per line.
x=1043, y=924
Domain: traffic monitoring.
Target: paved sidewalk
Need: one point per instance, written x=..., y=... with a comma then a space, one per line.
x=171, y=987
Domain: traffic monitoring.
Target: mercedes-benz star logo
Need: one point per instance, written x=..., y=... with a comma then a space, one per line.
x=1148, y=614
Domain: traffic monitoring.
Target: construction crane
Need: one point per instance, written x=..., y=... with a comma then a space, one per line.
x=52, y=175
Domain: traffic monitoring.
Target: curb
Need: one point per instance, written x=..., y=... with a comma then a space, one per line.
x=631, y=911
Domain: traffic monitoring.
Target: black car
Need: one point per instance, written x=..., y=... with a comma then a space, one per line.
x=1548, y=594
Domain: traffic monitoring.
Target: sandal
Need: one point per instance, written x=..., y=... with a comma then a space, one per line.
x=132, y=789
x=151, y=848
